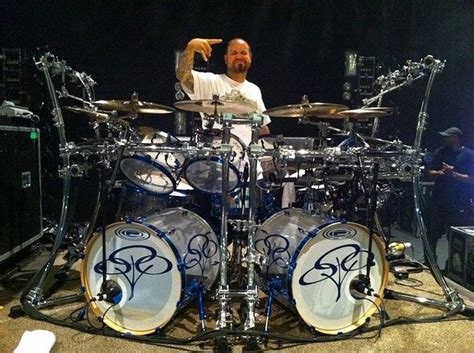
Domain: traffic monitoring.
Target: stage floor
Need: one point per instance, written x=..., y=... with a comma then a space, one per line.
x=457, y=334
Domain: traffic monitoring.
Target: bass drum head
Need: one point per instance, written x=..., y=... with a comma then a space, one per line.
x=279, y=236
x=145, y=268
x=148, y=175
x=194, y=241
x=324, y=266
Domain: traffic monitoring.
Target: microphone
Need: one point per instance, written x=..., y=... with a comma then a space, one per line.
x=360, y=286
x=111, y=292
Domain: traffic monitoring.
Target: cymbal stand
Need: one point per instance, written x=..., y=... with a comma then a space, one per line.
x=48, y=62
x=454, y=303
x=223, y=292
x=252, y=290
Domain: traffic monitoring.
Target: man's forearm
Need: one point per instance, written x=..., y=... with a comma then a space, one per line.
x=183, y=70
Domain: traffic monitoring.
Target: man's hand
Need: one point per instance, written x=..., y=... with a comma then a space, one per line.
x=203, y=46
x=447, y=169
x=185, y=65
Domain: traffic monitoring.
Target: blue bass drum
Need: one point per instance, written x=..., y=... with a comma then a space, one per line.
x=309, y=265
x=160, y=264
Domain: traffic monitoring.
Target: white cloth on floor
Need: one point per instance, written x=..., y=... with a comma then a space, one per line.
x=37, y=341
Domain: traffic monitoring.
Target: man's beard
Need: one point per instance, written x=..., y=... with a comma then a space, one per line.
x=240, y=67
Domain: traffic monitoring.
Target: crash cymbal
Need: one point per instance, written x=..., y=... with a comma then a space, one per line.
x=305, y=109
x=210, y=107
x=133, y=106
x=90, y=113
x=356, y=114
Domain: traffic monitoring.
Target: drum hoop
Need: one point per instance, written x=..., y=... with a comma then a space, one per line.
x=158, y=166
x=218, y=132
x=377, y=300
x=95, y=308
x=212, y=159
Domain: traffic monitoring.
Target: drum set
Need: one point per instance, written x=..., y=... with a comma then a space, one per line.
x=160, y=256
x=156, y=259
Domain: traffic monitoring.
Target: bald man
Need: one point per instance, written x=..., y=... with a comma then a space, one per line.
x=202, y=85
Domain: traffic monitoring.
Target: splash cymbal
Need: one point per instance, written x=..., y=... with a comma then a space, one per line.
x=210, y=106
x=305, y=109
x=90, y=113
x=134, y=106
x=359, y=114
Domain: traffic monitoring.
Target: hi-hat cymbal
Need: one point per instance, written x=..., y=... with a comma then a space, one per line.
x=133, y=106
x=90, y=113
x=210, y=107
x=305, y=109
x=356, y=114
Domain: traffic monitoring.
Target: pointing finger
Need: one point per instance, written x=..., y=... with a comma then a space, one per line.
x=214, y=41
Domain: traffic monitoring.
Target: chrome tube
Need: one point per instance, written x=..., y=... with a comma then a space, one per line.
x=436, y=67
x=223, y=283
x=35, y=296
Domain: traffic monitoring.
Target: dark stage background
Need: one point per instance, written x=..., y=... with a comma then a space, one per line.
x=298, y=49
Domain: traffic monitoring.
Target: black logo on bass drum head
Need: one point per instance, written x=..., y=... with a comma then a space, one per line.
x=342, y=231
x=129, y=233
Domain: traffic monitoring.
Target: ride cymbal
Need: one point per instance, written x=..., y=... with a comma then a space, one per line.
x=305, y=109
x=134, y=106
x=211, y=107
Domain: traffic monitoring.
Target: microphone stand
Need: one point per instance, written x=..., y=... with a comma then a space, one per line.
x=371, y=222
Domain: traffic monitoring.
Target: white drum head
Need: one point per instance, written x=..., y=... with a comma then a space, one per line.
x=150, y=176
x=171, y=161
x=205, y=174
x=325, y=267
x=279, y=236
x=145, y=267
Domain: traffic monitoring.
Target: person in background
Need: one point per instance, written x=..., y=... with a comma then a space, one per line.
x=452, y=169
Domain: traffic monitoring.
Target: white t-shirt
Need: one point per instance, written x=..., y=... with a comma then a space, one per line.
x=207, y=83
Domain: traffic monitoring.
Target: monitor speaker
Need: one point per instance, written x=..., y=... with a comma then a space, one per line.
x=20, y=189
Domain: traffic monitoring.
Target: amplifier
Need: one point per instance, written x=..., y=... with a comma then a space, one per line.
x=20, y=189
x=461, y=256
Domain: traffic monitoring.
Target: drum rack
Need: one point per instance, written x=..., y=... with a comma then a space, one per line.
x=402, y=164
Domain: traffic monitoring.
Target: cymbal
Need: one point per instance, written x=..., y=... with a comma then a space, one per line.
x=90, y=113
x=356, y=114
x=305, y=109
x=210, y=107
x=134, y=106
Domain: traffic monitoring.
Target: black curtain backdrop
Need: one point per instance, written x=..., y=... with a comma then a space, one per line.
x=298, y=49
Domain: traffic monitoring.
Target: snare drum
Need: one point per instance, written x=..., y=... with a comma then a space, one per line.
x=312, y=262
x=160, y=264
x=205, y=174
